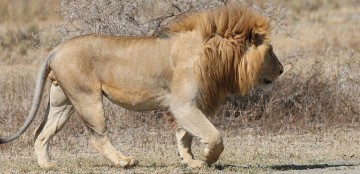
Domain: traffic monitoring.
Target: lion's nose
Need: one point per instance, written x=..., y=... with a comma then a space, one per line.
x=281, y=69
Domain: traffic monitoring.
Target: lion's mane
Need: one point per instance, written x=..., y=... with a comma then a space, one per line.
x=233, y=50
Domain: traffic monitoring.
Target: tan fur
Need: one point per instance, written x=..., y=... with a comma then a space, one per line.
x=202, y=58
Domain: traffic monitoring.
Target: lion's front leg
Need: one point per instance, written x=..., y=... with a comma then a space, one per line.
x=194, y=121
x=184, y=140
x=213, y=148
x=190, y=118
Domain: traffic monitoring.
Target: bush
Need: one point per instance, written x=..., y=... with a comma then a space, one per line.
x=296, y=104
x=139, y=18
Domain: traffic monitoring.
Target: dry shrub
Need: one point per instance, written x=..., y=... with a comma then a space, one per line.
x=16, y=101
x=26, y=11
x=301, y=103
x=17, y=40
x=24, y=30
x=123, y=17
x=139, y=18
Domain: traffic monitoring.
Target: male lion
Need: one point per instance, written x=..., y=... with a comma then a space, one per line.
x=199, y=59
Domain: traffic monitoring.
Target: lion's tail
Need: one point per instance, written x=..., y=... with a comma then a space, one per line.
x=39, y=88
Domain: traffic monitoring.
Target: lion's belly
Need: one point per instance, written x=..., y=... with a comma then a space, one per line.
x=137, y=99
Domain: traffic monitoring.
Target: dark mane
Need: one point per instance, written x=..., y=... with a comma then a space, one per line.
x=224, y=21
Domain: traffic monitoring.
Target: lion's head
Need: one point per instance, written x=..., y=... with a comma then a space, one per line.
x=237, y=52
x=270, y=70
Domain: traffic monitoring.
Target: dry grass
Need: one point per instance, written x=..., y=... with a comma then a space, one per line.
x=310, y=120
x=27, y=11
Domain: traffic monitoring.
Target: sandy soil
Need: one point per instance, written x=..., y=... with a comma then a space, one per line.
x=335, y=151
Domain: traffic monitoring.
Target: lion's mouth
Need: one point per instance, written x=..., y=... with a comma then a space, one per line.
x=266, y=81
x=266, y=84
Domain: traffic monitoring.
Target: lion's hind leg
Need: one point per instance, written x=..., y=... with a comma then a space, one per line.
x=58, y=112
x=90, y=107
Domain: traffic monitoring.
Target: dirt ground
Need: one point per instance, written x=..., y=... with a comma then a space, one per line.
x=335, y=151
x=330, y=150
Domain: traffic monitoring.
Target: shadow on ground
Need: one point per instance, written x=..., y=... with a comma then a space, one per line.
x=284, y=167
x=306, y=167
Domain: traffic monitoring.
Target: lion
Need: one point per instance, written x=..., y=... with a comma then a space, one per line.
x=189, y=69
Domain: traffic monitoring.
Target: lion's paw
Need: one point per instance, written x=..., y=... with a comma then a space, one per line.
x=196, y=164
x=47, y=164
x=129, y=162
